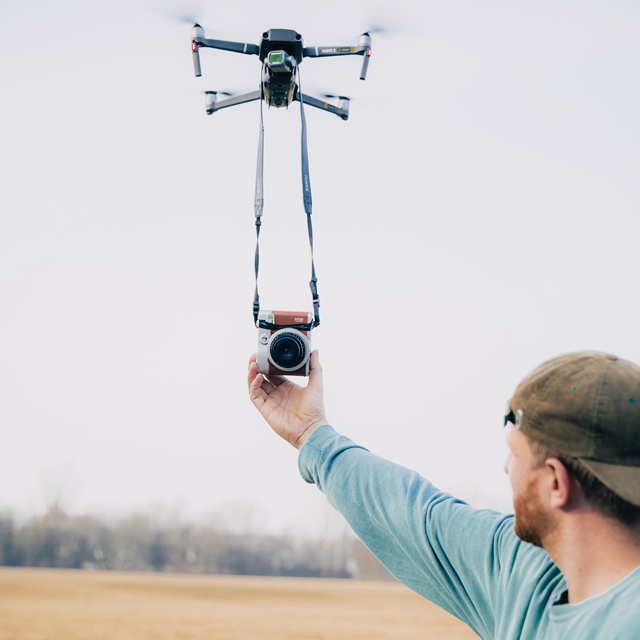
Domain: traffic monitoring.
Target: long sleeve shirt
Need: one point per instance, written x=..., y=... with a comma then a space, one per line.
x=468, y=561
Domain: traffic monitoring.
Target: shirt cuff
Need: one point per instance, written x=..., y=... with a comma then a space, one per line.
x=319, y=450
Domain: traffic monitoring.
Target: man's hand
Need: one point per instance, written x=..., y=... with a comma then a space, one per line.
x=293, y=412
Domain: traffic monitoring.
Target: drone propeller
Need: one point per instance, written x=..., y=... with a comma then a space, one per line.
x=330, y=95
x=211, y=97
x=186, y=19
x=385, y=23
x=377, y=29
x=224, y=93
x=184, y=11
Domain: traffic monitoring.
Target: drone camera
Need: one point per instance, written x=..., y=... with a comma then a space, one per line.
x=285, y=350
x=280, y=62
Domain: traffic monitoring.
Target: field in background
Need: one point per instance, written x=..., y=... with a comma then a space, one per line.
x=61, y=604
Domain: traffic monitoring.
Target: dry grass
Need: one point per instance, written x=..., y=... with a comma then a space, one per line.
x=39, y=604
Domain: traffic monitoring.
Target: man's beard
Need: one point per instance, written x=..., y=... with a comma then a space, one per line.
x=533, y=524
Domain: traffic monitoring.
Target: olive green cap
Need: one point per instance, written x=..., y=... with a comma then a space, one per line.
x=587, y=405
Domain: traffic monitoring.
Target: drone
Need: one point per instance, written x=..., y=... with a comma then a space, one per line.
x=281, y=51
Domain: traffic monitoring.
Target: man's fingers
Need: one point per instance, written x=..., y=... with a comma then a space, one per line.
x=253, y=371
x=315, y=375
x=256, y=382
x=272, y=381
x=267, y=386
x=259, y=387
x=276, y=381
x=314, y=361
x=257, y=394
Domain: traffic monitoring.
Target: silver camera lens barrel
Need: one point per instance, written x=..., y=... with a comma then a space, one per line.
x=288, y=349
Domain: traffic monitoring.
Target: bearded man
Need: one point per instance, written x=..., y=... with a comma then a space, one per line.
x=565, y=566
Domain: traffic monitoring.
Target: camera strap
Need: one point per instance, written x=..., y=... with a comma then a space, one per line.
x=258, y=208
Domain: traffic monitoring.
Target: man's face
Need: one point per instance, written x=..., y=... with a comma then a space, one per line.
x=534, y=521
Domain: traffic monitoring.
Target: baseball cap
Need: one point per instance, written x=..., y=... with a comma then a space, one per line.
x=587, y=405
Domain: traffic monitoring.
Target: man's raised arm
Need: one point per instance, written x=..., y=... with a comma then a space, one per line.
x=458, y=557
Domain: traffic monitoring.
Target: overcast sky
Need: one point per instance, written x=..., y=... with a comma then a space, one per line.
x=477, y=214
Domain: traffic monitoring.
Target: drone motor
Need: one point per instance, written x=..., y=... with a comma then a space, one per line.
x=343, y=105
x=196, y=32
x=210, y=99
x=365, y=42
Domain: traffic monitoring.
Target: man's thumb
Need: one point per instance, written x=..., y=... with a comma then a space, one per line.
x=315, y=374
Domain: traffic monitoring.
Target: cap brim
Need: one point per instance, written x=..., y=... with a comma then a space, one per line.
x=623, y=481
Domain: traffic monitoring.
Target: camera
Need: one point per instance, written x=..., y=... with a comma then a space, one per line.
x=284, y=349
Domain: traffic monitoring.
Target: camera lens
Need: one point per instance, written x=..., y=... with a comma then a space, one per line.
x=288, y=350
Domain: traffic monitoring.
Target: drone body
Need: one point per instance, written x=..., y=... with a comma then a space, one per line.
x=281, y=51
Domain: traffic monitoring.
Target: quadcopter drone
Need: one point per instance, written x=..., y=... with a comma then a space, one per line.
x=284, y=336
x=281, y=51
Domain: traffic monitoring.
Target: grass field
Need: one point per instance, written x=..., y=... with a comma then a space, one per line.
x=62, y=604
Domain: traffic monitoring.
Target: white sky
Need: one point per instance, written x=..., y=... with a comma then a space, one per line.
x=476, y=215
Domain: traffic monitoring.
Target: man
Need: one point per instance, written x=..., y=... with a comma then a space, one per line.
x=566, y=566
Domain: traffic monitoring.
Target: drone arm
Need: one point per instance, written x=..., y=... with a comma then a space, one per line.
x=225, y=45
x=196, y=60
x=325, y=106
x=363, y=49
x=214, y=105
x=321, y=52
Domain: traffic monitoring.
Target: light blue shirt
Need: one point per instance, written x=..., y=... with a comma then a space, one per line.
x=468, y=561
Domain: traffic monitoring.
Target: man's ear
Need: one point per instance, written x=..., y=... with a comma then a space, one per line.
x=561, y=484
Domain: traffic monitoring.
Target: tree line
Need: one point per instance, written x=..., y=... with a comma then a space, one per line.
x=145, y=543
